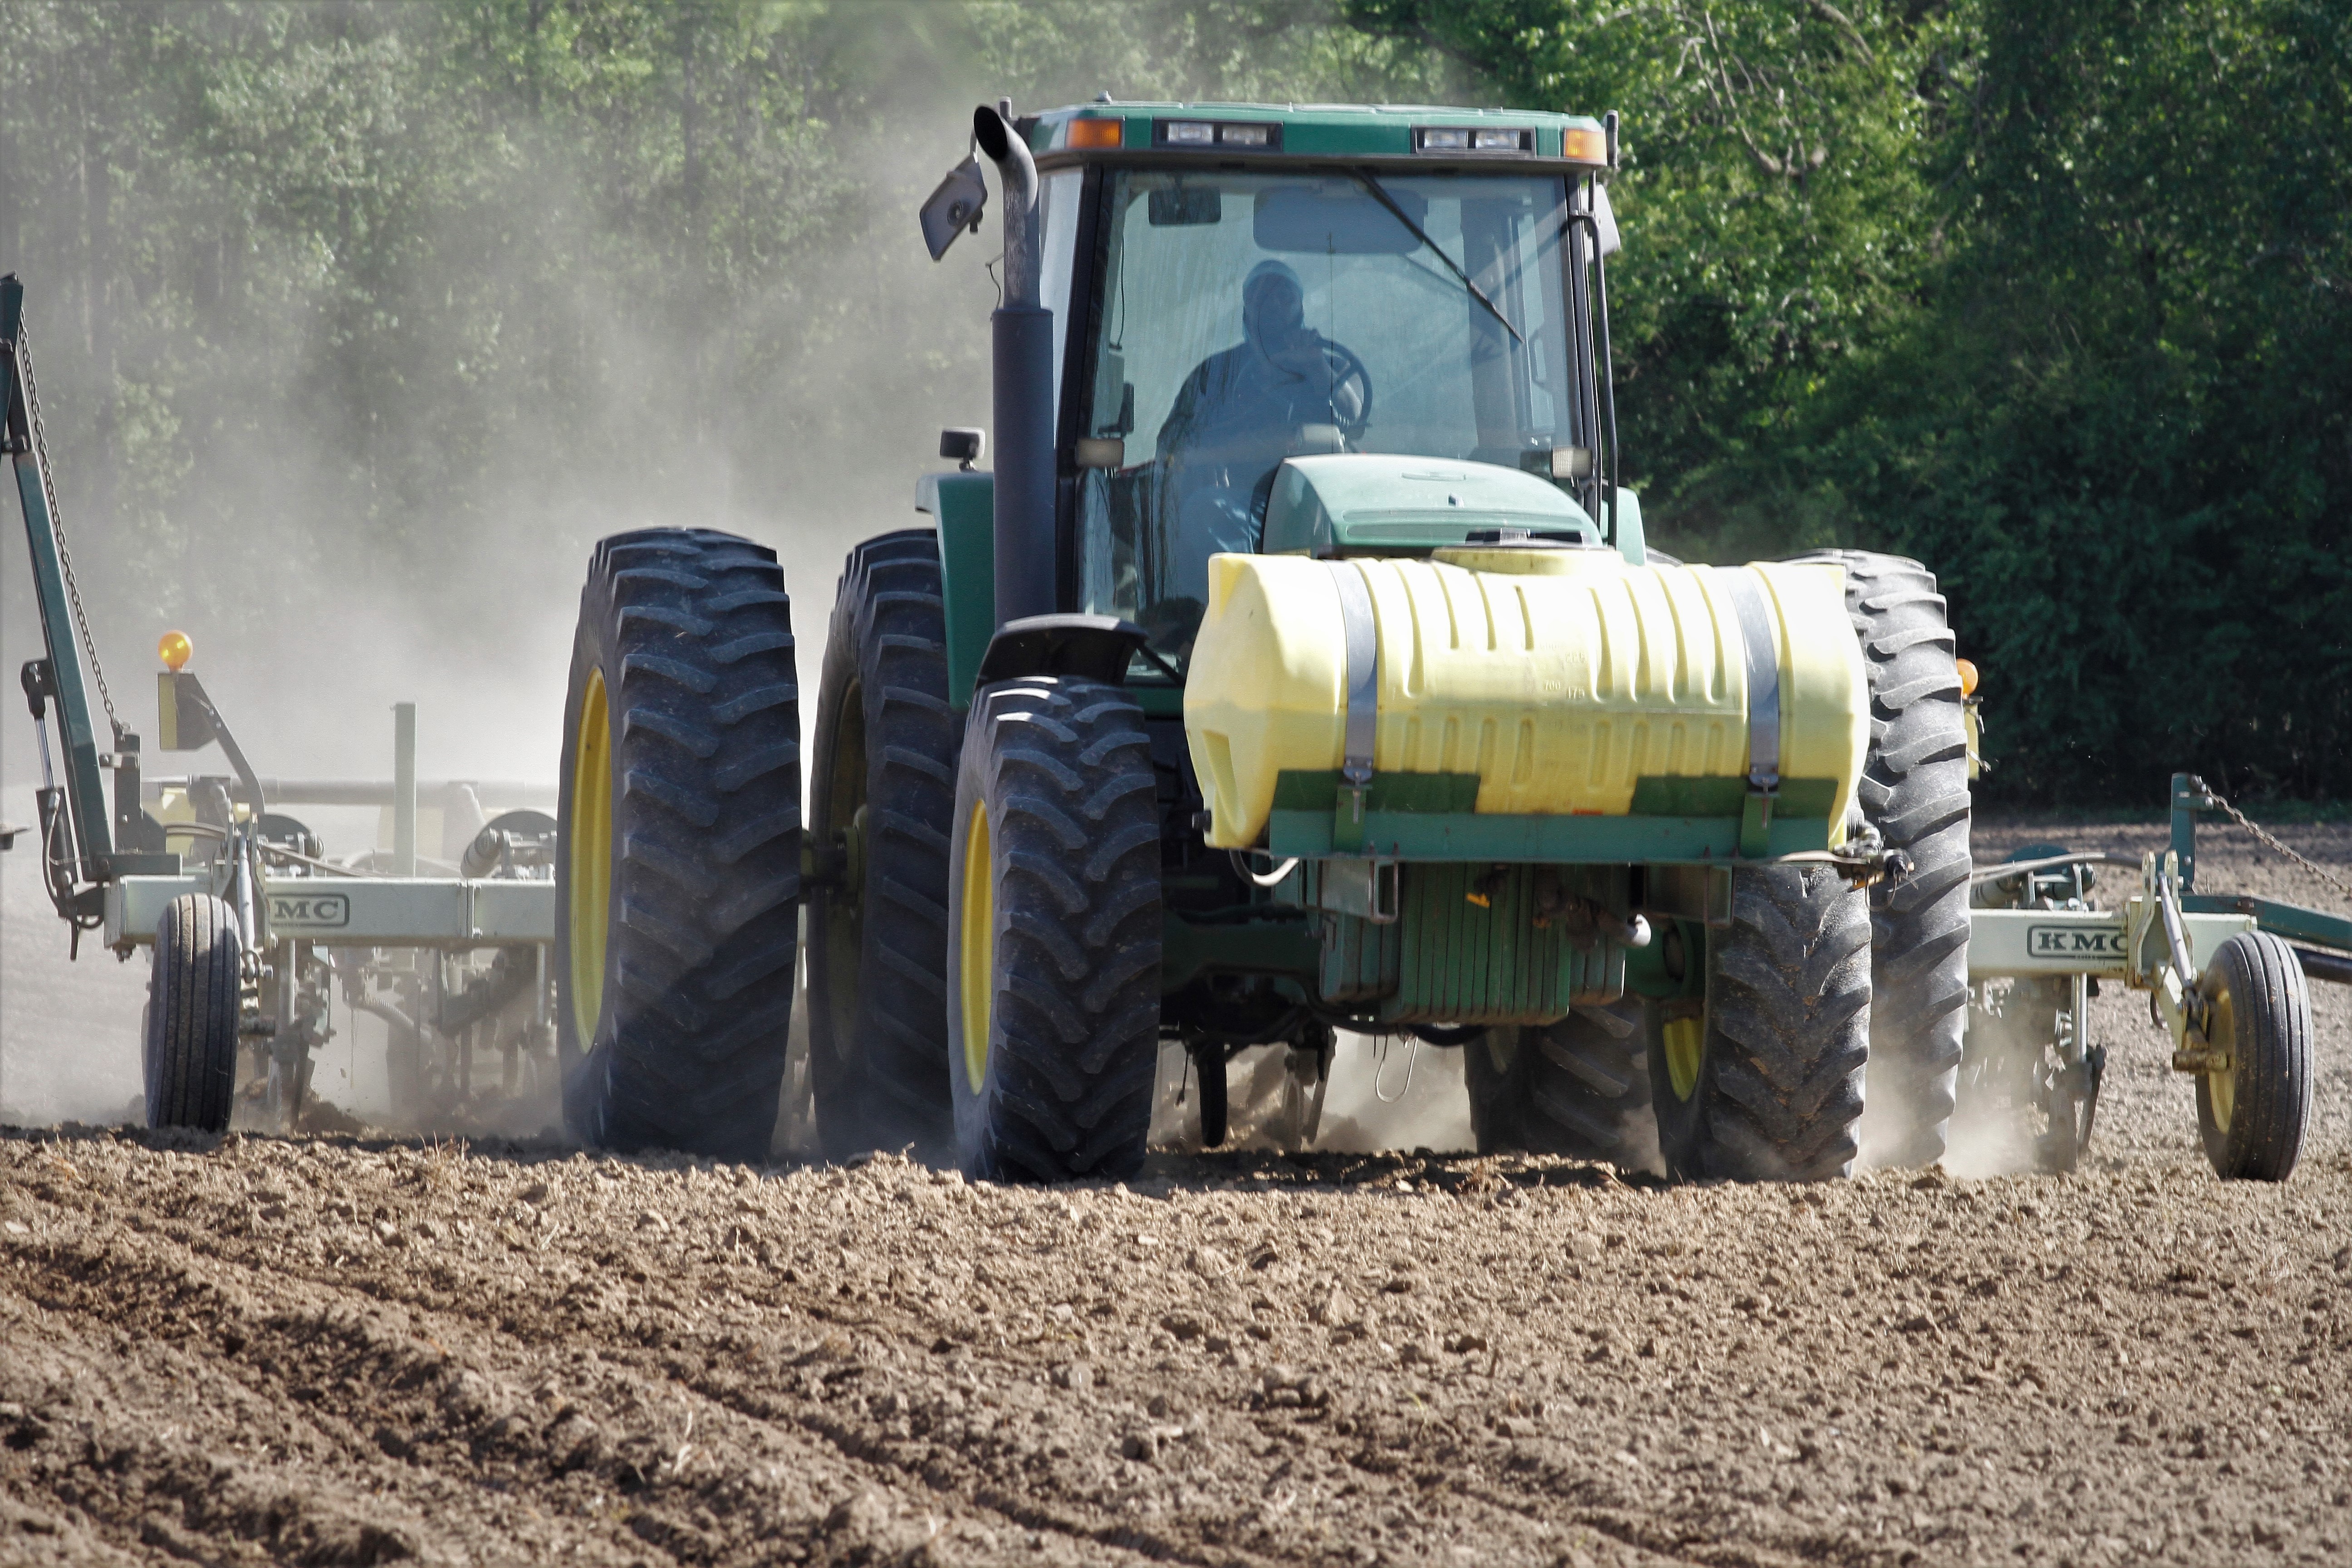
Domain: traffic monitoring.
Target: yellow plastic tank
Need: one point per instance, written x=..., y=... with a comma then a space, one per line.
x=1562, y=678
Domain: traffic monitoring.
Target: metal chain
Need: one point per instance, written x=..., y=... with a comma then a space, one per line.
x=57, y=526
x=2239, y=817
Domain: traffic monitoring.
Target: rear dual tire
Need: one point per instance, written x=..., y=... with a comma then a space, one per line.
x=1915, y=790
x=1762, y=1078
x=677, y=874
x=882, y=795
x=1578, y=1088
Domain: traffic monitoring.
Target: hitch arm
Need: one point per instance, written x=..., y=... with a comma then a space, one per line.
x=67, y=681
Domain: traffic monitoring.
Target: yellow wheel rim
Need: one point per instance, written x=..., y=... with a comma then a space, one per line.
x=589, y=837
x=977, y=944
x=1685, y=1043
x=2221, y=1035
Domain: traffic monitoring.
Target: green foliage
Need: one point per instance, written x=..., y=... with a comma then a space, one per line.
x=2052, y=298
x=418, y=299
x=2124, y=431
x=1771, y=197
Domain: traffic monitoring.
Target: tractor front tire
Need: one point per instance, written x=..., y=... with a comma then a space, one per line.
x=2252, y=1115
x=1580, y=1087
x=1762, y=1080
x=1915, y=790
x=677, y=874
x=1054, y=967
x=882, y=794
x=193, y=999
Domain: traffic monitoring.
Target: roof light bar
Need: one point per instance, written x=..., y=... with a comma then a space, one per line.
x=1226, y=135
x=1092, y=133
x=1475, y=139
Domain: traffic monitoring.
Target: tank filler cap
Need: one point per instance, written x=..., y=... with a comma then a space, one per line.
x=1516, y=552
x=1523, y=539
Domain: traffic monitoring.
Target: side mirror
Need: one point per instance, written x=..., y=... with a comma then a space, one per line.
x=962, y=445
x=953, y=207
x=1604, y=221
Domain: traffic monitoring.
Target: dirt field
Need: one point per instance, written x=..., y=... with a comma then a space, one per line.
x=353, y=1351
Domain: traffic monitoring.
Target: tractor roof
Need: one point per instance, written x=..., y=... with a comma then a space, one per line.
x=1227, y=132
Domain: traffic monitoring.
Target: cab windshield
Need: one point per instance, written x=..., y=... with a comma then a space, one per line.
x=1247, y=317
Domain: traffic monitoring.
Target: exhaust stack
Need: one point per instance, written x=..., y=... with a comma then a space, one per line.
x=1022, y=339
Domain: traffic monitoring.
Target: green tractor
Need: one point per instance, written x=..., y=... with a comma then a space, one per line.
x=1300, y=668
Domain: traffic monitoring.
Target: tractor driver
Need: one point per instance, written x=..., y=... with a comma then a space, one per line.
x=1241, y=411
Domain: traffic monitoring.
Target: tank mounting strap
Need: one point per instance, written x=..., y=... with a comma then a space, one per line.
x=1363, y=703
x=1763, y=658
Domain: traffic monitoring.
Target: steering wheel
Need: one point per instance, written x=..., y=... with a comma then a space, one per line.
x=1346, y=368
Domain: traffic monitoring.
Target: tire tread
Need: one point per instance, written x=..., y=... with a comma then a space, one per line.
x=193, y=998
x=1915, y=791
x=1074, y=1049
x=690, y=1048
x=884, y=1087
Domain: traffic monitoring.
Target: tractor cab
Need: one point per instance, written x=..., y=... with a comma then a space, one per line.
x=1235, y=288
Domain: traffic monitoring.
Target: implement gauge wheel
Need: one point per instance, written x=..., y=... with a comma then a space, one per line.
x=677, y=870
x=2253, y=1113
x=1761, y=1081
x=882, y=790
x=1054, y=964
x=192, y=1013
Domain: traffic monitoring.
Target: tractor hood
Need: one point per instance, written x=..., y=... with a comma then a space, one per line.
x=1367, y=503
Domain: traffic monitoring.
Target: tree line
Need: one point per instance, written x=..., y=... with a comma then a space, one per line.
x=2056, y=297
x=424, y=296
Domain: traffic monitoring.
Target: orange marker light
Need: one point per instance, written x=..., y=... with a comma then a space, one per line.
x=1967, y=678
x=1580, y=145
x=175, y=649
x=1095, y=133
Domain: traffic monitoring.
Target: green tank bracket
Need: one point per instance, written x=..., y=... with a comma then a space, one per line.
x=1755, y=824
x=1429, y=817
x=1564, y=841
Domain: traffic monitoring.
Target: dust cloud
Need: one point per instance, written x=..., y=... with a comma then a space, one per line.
x=310, y=619
x=321, y=581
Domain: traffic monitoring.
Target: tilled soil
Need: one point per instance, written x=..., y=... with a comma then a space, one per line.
x=339, y=1350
